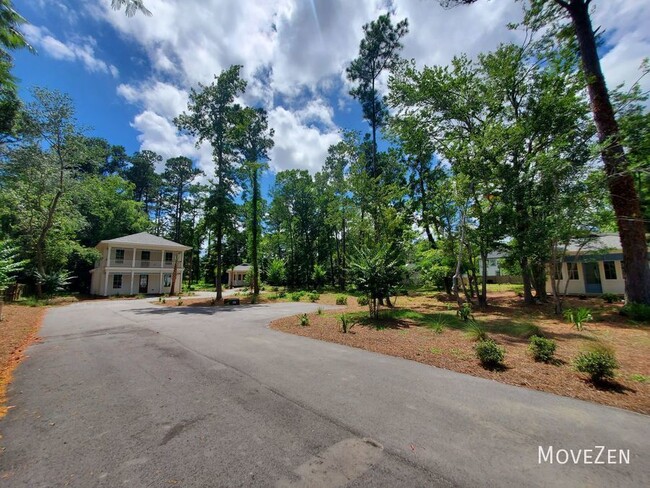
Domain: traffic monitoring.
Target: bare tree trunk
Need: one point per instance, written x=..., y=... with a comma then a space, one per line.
x=254, y=229
x=172, y=290
x=525, y=275
x=620, y=181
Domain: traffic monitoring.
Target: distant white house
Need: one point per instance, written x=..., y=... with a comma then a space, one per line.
x=495, y=271
x=237, y=275
x=593, y=269
x=139, y=263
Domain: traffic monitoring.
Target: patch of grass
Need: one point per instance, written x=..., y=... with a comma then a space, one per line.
x=502, y=287
x=457, y=353
x=319, y=311
x=636, y=311
x=640, y=378
x=435, y=350
x=33, y=302
x=524, y=330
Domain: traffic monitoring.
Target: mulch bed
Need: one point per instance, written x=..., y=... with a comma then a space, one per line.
x=17, y=331
x=453, y=350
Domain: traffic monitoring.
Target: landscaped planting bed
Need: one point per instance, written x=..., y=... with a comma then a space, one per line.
x=427, y=330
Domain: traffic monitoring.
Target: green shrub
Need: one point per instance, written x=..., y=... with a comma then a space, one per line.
x=363, y=300
x=636, y=311
x=490, y=353
x=542, y=348
x=319, y=311
x=276, y=273
x=304, y=320
x=180, y=301
x=610, y=297
x=578, y=316
x=341, y=300
x=313, y=297
x=346, y=323
x=282, y=294
x=599, y=363
x=476, y=331
x=295, y=297
x=275, y=289
x=465, y=312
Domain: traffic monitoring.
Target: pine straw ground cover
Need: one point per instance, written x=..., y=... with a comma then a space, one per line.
x=17, y=331
x=411, y=331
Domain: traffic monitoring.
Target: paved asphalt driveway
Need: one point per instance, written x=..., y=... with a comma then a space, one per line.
x=127, y=393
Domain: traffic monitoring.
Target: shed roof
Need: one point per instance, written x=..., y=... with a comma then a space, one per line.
x=144, y=239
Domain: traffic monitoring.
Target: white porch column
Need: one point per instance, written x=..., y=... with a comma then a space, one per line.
x=133, y=263
x=108, y=258
x=106, y=283
x=160, y=284
x=180, y=284
x=131, y=289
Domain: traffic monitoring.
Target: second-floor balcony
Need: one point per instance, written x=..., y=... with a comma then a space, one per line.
x=141, y=263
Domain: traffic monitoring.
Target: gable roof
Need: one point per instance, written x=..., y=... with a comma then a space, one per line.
x=242, y=267
x=144, y=239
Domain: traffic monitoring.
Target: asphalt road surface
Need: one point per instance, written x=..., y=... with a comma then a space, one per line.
x=128, y=393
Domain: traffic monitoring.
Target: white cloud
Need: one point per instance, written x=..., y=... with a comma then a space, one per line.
x=296, y=51
x=82, y=50
x=299, y=145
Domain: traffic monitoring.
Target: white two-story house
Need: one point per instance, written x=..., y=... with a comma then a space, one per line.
x=139, y=263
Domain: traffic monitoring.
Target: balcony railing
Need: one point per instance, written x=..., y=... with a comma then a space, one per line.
x=141, y=263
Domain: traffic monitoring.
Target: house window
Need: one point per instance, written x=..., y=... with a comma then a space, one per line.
x=610, y=270
x=168, y=258
x=117, y=282
x=167, y=281
x=119, y=256
x=144, y=258
x=573, y=271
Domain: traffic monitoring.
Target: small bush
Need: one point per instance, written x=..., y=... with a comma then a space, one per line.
x=599, y=363
x=610, y=297
x=542, y=348
x=363, y=300
x=346, y=323
x=282, y=294
x=578, y=316
x=275, y=289
x=636, y=311
x=313, y=296
x=490, y=353
x=304, y=320
x=180, y=301
x=476, y=331
x=465, y=312
x=341, y=300
x=164, y=300
x=319, y=311
x=295, y=297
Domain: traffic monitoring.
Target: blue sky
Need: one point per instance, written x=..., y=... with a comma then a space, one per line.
x=130, y=76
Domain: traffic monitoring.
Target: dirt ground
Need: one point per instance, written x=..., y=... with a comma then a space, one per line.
x=18, y=329
x=507, y=321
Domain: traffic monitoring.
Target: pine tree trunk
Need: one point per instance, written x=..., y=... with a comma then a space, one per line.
x=620, y=181
x=255, y=224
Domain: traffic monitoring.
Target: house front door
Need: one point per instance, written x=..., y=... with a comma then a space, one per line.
x=144, y=284
x=592, y=278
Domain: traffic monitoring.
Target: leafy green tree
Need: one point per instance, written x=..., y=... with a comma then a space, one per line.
x=378, y=51
x=178, y=176
x=276, y=274
x=142, y=173
x=253, y=140
x=551, y=16
x=131, y=7
x=212, y=117
x=10, y=264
